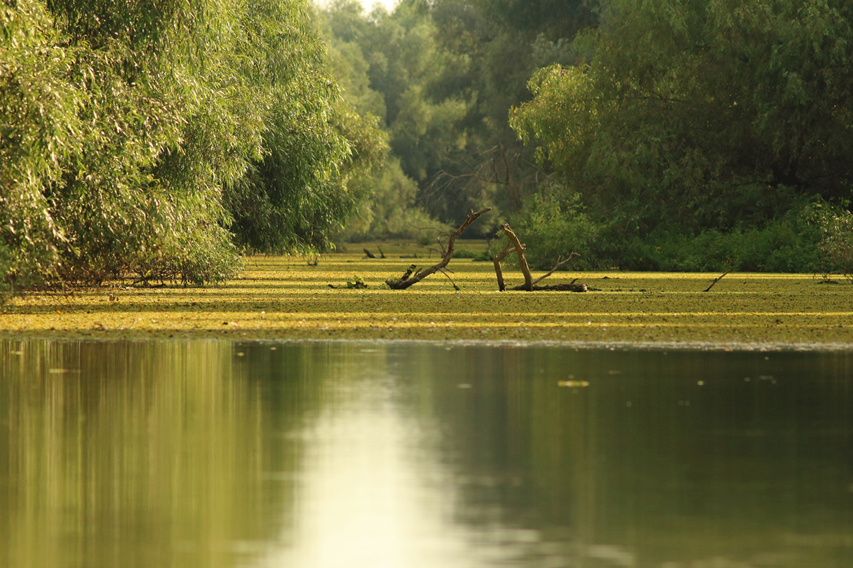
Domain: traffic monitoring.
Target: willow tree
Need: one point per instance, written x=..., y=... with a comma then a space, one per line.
x=125, y=123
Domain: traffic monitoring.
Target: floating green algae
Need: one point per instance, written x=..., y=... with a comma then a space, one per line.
x=288, y=298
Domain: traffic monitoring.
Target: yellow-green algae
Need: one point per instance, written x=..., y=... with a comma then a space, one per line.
x=287, y=298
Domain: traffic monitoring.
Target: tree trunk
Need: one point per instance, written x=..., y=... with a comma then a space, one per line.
x=522, y=262
x=514, y=245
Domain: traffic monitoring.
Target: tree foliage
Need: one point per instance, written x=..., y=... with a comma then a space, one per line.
x=835, y=225
x=700, y=115
x=504, y=42
x=133, y=133
x=442, y=75
x=388, y=65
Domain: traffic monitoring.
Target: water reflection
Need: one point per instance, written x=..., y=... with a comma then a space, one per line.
x=134, y=454
x=211, y=453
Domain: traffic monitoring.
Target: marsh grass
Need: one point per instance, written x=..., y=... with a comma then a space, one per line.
x=288, y=298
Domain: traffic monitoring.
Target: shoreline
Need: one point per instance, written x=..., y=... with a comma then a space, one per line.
x=769, y=347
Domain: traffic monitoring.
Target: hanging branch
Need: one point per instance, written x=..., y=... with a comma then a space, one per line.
x=414, y=275
x=455, y=287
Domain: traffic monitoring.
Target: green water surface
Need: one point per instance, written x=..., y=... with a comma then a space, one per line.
x=209, y=453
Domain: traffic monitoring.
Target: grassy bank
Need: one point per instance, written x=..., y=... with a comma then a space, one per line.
x=287, y=298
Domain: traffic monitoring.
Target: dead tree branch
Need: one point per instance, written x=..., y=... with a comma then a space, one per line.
x=570, y=287
x=556, y=266
x=522, y=262
x=496, y=166
x=414, y=275
x=717, y=279
x=455, y=287
x=441, y=244
x=497, y=260
x=514, y=245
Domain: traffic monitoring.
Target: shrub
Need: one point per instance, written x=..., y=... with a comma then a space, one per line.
x=552, y=225
x=835, y=225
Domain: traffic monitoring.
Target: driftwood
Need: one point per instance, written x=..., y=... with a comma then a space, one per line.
x=570, y=287
x=530, y=285
x=369, y=254
x=413, y=274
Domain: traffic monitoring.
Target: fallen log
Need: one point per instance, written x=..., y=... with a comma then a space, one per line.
x=570, y=287
x=414, y=274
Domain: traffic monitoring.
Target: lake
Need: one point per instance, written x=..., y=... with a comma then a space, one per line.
x=211, y=453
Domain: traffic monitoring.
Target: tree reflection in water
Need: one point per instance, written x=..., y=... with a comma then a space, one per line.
x=212, y=453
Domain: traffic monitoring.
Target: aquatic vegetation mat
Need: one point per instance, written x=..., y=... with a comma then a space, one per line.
x=298, y=298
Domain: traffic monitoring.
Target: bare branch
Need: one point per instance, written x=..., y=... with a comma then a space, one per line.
x=556, y=266
x=497, y=260
x=717, y=279
x=455, y=287
x=514, y=245
x=413, y=276
x=522, y=262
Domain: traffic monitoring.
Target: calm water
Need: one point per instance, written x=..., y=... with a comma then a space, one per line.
x=211, y=453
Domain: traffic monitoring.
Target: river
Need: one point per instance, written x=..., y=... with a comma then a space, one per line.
x=212, y=453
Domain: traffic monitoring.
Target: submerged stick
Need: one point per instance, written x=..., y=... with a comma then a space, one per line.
x=717, y=279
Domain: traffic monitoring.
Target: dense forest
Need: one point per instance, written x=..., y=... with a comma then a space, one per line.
x=659, y=135
x=162, y=139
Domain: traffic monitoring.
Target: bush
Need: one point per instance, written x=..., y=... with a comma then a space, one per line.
x=835, y=225
x=789, y=244
x=552, y=225
x=477, y=256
